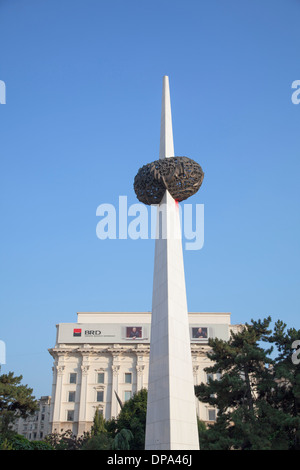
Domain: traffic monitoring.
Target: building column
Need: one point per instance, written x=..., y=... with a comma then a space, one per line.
x=139, y=376
x=195, y=373
x=115, y=407
x=56, y=419
x=82, y=418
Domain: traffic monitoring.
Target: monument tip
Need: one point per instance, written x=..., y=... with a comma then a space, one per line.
x=166, y=148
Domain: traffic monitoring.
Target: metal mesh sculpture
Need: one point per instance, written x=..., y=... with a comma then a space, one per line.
x=181, y=176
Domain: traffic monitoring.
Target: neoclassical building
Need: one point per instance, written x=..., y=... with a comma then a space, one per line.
x=102, y=360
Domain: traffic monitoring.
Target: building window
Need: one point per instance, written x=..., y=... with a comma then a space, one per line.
x=71, y=396
x=212, y=415
x=100, y=378
x=127, y=395
x=100, y=395
x=70, y=415
x=73, y=378
x=128, y=378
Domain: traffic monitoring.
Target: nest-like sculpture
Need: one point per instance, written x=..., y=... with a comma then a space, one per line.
x=181, y=176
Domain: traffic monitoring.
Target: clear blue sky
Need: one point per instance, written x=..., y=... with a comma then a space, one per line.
x=82, y=114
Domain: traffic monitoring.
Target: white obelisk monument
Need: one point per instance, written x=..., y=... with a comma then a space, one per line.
x=171, y=409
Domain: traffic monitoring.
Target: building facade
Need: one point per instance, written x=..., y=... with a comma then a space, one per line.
x=103, y=359
x=36, y=426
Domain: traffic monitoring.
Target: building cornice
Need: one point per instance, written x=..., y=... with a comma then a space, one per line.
x=96, y=349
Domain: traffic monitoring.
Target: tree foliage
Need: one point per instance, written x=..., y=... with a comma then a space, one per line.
x=122, y=440
x=101, y=441
x=286, y=394
x=17, y=442
x=99, y=438
x=132, y=417
x=257, y=396
x=98, y=426
x=16, y=401
x=65, y=440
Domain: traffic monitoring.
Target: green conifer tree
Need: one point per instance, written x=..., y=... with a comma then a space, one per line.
x=16, y=400
x=243, y=395
x=98, y=426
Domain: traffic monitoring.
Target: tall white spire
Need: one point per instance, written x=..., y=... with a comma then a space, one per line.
x=171, y=422
x=166, y=148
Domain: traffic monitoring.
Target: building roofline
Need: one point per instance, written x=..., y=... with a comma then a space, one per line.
x=138, y=313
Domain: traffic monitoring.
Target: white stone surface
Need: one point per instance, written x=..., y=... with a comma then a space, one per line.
x=171, y=411
x=166, y=148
